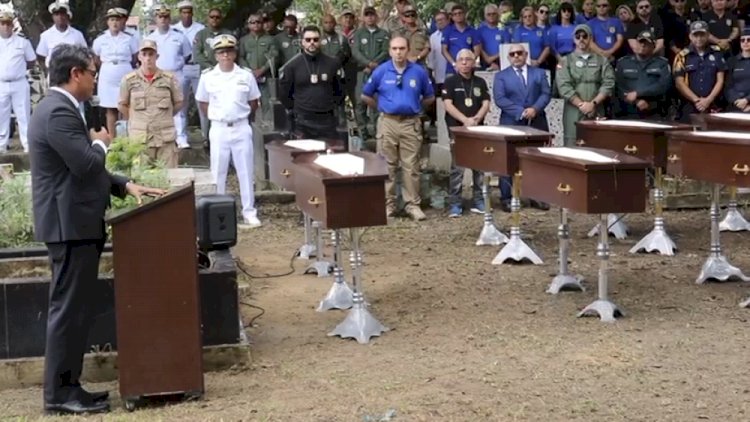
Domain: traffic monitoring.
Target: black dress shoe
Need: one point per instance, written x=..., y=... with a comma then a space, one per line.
x=539, y=205
x=75, y=407
x=505, y=206
x=97, y=396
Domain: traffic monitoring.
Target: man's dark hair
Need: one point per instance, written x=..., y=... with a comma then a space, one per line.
x=290, y=18
x=311, y=28
x=215, y=9
x=399, y=36
x=66, y=57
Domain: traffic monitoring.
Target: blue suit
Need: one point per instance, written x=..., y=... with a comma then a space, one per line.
x=512, y=97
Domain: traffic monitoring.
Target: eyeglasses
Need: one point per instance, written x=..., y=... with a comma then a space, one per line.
x=515, y=53
x=252, y=22
x=312, y=39
x=527, y=16
x=602, y=6
x=92, y=72
x=745, y=39
x=219, y=17
x=582, y=36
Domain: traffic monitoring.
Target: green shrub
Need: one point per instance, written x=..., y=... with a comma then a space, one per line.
x=16, y=224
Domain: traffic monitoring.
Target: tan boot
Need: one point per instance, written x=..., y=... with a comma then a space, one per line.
x=416, y=213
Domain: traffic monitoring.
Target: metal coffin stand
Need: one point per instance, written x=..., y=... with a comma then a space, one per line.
x=590, y=188
x=495, y=152
x=646, y=142
x=156, y=299
x=719, y=158
x=340, y=202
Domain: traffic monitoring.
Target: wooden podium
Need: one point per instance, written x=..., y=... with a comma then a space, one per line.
x=157, y=302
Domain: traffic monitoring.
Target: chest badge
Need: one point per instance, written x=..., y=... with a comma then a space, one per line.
x=468, y=40
x=538, y=33
x=579, y=63
x=285, y=44
x=413, y=83
x=477, y=92
x=364, y=40
x=324, y=42
x=314, y=78
x=711, y=57
x=324, y=77
x=729, y=22
x=611, y=29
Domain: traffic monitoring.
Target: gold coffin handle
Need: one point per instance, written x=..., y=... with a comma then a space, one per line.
x=488, y=150
x=631, y=149
x=673, y=158
x=744, y=170
x=564, y=188
x=314, y=200
x=285, y=173
x=580, y=142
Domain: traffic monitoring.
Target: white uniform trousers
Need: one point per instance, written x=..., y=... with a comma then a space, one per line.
x=16, y=95
x=180, y=118
x=235, y=141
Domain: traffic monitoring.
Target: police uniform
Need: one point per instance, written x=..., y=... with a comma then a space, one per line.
x=288, y=46
x=721, y=27
x=116, y=54
x=491, y=39
x=229, y=95
x=737, y=82
x=458, y=40
x=536, y=37
x=604, y=32
x=309, y=85
x=584, y=75
x=174, y=48
x=700, y=71
x=259, y=52
x=15, y=93
x=400, y=128
x=367, y=46
x=649, y=77
x=191, y=71
x=52, y=37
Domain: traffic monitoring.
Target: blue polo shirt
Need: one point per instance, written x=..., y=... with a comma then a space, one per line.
x=492, y=38
x=605, y=31
x=536, y=37
x=457, y=40
x=561, y=39
x=400, y=95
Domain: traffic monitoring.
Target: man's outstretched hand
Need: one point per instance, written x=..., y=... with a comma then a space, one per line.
x=139, y=191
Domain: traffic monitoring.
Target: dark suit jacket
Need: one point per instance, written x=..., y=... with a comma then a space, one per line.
x=70, y=185
x=511, y=97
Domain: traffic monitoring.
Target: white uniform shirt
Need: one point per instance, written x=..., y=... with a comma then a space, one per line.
x=135, y=33
x=436, y=60
x=228, y=94
x=15, y=52
x=173, y=48
x=51, y=38
x=119, y=48
x=189, y=32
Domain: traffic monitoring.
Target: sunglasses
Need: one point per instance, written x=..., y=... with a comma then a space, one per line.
x=410, y=15
x=312, y=39
x=219, y=17
x=602, y=6
x=515, y=53
x=251, y=22
x=582, y=36
x=745, y=39
x=644, y=7
x=544, y=12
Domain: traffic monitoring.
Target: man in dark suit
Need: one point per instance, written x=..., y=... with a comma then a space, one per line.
x=71, y=190
x=521, y=92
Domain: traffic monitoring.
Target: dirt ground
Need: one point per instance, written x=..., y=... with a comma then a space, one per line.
x=475, y=342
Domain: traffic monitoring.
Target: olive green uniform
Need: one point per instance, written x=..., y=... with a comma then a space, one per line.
x=259, y=52
x=288, y=45
x=367, y=47
x=337, y=45
x=585, y=76
x=650, y=78
x=151, y=106
x=203, y=54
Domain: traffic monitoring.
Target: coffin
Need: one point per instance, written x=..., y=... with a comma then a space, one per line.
x=493, y=148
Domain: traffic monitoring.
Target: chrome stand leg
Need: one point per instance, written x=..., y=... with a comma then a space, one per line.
x=616, y=225
x=516, y=249
x=657, y=240
x=734, y=221
x=340, y=296
x=307, y=250
x=606, y=310
x=490, y=235
x=359, y=323
x=564, y=280
x=716, y=266
x=320, y=267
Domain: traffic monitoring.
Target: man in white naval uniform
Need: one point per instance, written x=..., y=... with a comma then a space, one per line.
x=174, y=51
x=16, y=55
x=228, y=94
x=192, y=71
x=59, y=33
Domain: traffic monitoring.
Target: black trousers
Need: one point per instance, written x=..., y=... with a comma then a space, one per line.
x=72, y=301
x=316, y=125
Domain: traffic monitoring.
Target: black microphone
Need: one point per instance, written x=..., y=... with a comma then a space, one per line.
x=93, y=116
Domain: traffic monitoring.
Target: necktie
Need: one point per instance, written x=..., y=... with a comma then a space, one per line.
x=519, y=70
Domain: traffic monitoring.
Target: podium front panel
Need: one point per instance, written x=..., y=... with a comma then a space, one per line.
x=716, y=156
x=494, y=152
x=589, y=188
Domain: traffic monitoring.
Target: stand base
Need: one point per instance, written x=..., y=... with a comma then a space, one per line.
x=606, y=310
x=565, y=282
x=656, y=241
x=321, y=268
x=718, y=268
x=617, y=227
x=517, y=250
x=490, y=235
x=307, y=251
x=745, y=303
x=733, y=221
x=359, y=325
x=340, y=296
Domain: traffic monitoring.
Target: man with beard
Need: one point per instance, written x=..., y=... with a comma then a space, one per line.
x=310, y=88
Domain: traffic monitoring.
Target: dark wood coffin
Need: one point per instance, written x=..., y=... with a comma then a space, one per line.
x=727, y=121
x=647, y=140
x=585, y=186
x=494, y=152
x=280, y=158
x=340, y=201
x=715, y=156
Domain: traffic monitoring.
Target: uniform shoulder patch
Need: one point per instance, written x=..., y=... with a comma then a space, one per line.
x=685, y=52
x=130, y=75
x=715, y=48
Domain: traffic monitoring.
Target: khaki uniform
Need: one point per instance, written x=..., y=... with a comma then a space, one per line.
x=418, y=41
x=288, y=46
x=259, y=52
x=151, y=108
x=367, y=47
x=584, y=76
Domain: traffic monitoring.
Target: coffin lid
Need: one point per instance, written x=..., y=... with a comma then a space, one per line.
x=638, y=125
x=626, y=162
x=712, y=137
x=278, y=145
x=528, y=133
x=375, y=168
